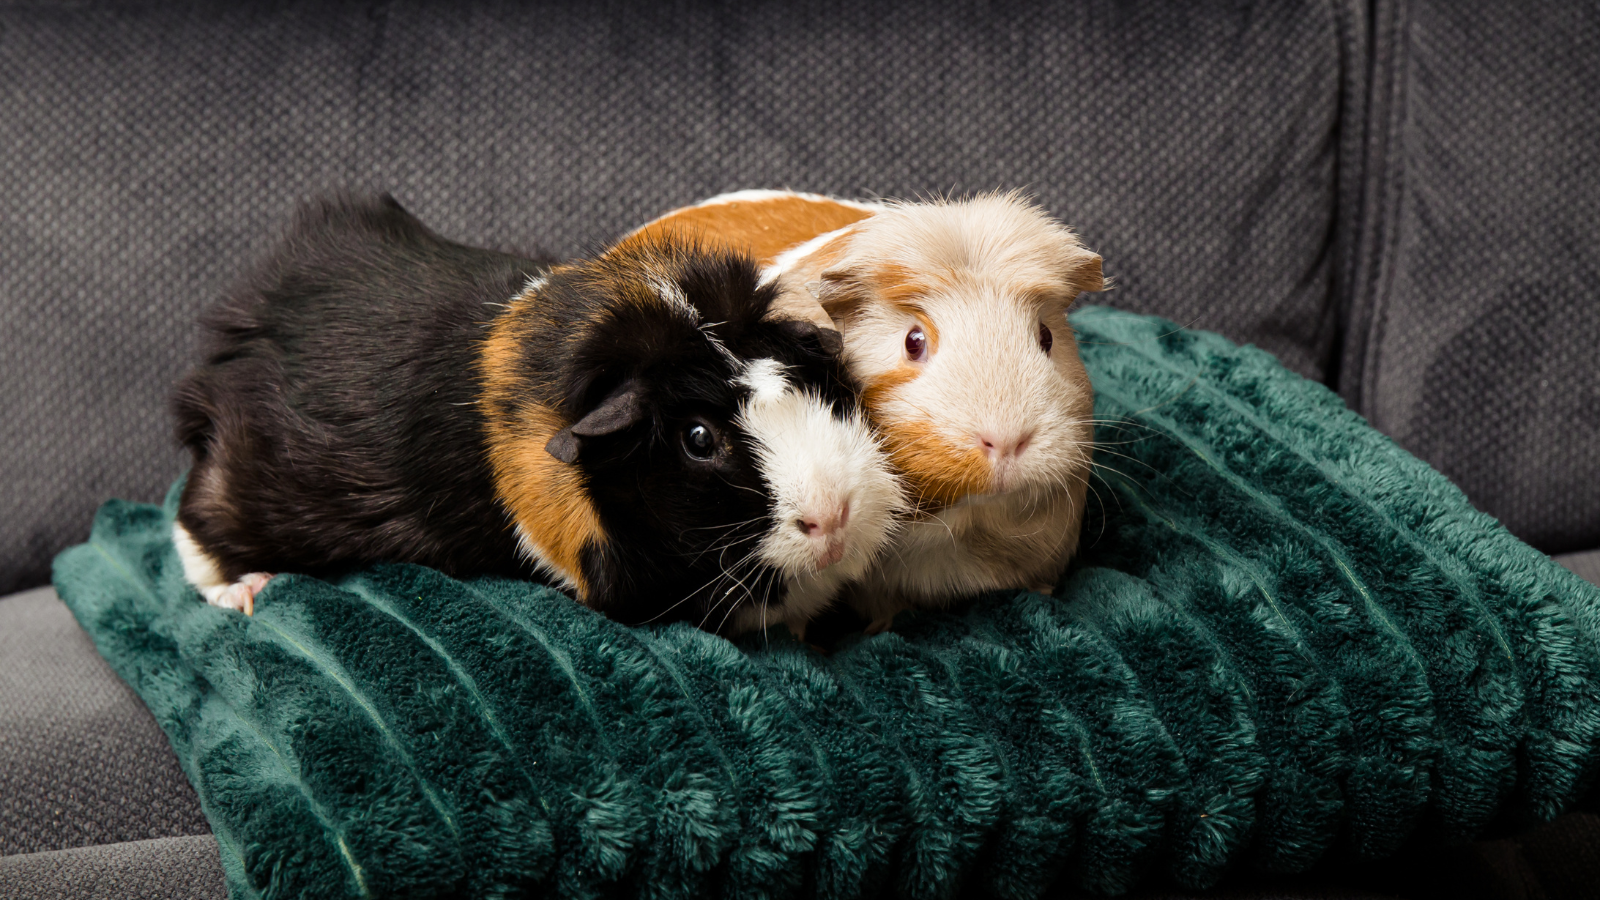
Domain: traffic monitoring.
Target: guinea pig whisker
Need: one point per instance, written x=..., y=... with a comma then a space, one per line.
x=1156, y=472
x=721, y=574
x=1123, y=420
x=682, y=600
x=742, y=487
x=1133, y=459
x=1096, y=492
x=731, y=607
x=723, y=548
x=727, y=573
x=717, y=604
x=723, y=527
x=1103, y=517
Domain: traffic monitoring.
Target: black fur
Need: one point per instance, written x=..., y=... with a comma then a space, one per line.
x=335, y=421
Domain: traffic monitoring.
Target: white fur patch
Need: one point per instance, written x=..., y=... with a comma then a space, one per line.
x=757, y=195
x=788, y=258
x=764, y=378
x=816, y=465
x=199, y=569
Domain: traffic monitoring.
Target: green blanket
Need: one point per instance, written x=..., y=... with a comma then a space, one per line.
x=1284, y=636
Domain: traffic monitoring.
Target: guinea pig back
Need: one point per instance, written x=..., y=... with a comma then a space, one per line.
x=332, y=421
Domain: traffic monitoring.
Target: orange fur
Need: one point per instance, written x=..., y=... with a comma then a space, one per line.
x=545, y=496
x=764, y=228
x=878, y=391
x=938, y=472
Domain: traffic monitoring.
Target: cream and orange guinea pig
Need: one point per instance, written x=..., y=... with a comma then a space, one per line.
x=634, y=427
x=954, y=320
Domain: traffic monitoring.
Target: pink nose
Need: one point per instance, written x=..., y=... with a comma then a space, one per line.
x=826, y=530
x=999, y=447
x=825, y=523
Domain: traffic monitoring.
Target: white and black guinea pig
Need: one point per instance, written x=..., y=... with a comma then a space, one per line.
x=634, y=428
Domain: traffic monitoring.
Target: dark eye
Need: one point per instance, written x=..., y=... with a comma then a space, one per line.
x=916, y=344
x=699, y=441
x=1045, y=338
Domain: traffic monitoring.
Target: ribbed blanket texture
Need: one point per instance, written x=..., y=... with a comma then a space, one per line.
x=1283, y=635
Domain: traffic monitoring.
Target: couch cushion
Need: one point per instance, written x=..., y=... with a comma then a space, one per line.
x=152, y=149
x=1477, y=328
x=81, y=759
x=175, y=868
x=1587, y=565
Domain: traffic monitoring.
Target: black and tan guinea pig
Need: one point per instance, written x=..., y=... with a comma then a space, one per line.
x=635, y=428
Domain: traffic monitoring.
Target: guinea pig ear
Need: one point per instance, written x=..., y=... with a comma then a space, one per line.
x=798, y=305
x=621, y=409
x=832, y=342
x=842, y=293
x=1084, y=273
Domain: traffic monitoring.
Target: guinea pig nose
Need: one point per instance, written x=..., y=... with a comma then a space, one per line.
x=999, y=447
x=823, y=523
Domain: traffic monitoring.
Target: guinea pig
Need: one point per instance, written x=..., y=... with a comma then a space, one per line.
x=635, y=428
x=954, y=319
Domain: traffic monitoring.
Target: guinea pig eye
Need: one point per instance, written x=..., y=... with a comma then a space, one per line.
x=699, y=441
x=916, y=344
x=1045, y=338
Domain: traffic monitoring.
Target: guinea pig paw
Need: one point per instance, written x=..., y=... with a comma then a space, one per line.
x=241, y=595
x=1043, y=588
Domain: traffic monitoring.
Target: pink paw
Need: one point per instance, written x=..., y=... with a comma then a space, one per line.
x=241, y=595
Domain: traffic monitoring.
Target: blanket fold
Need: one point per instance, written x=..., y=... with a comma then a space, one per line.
x=1283, y=637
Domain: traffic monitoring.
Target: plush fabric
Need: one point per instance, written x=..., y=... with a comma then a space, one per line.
x=152, y=151
x=1285, y=638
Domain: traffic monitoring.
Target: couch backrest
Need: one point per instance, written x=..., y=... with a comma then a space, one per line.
x=1474, y=324
x=1211, y=152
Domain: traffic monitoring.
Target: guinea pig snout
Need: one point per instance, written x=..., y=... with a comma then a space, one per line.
x=824, y=525
x=1003, y=448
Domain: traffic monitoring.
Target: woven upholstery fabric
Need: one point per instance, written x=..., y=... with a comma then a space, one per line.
x=1476, y=342
x=151, y=150
x=176, y=868
x=1586, y=565
x=1285, y=639
x=82, y=761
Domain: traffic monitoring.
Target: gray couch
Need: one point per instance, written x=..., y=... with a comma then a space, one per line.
x=1399, y=199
